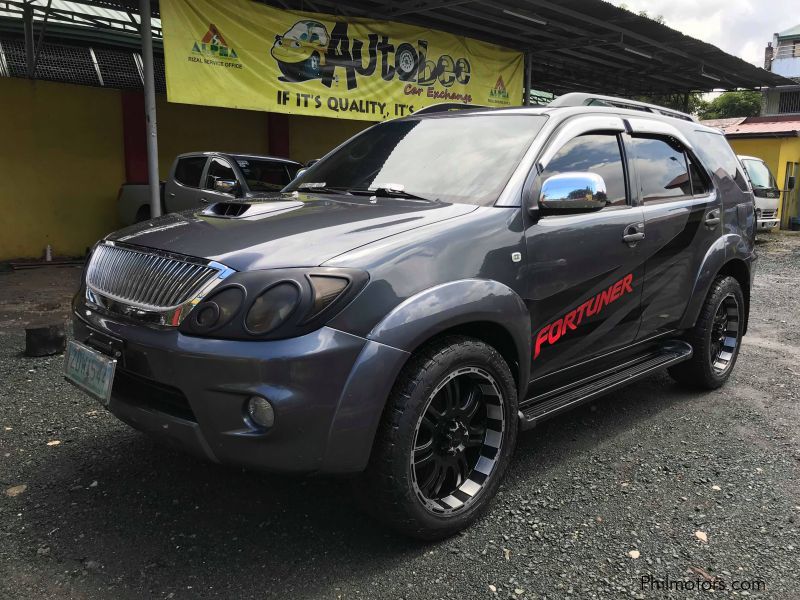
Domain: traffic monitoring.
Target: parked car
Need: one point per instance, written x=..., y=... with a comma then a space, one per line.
x=766, y=192
x=199, y=178
x=421, y=294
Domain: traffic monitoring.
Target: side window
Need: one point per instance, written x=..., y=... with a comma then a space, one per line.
x=597, y=153
x=189, y=170
x=714, y=150
x=700, y=184
x=662, y=169
x=218, y=169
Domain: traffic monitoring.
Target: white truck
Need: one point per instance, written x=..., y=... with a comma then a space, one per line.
x=198, y=178
x=766, y=192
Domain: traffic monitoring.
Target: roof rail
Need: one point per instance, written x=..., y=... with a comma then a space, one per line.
x=446, y=107
x=581, y=99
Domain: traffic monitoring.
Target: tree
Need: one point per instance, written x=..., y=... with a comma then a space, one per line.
x=743, y=103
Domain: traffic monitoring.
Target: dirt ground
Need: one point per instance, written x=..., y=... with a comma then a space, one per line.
x=647, y=488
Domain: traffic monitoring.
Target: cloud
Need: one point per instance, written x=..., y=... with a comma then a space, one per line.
x=740, y=27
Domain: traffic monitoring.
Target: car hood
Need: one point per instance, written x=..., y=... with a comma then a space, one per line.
x=285, y=230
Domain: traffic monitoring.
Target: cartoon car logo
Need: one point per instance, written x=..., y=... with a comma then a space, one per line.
x=300, y=52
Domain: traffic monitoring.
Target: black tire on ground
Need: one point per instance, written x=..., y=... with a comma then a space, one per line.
x=716, y=337
x=451, y=415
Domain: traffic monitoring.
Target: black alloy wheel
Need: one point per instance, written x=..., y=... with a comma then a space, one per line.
x=458, y=438
x=724, y=334
x=445, y=439
x=716, y=337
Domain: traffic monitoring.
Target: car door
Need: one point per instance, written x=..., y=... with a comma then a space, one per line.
x=182, y=190
x=682, y=220
x=583, y=277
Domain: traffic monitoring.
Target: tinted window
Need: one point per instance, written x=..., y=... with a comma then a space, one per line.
x=263, y=175
x=700, y=183
x=450, y=158
x=596, y=153
x=661, y=168
x=714, y=150
x=189, y=170
x=219, y=169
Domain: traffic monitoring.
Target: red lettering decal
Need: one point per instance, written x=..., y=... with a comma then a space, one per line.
x=555, y=328
x=569, y=321
x=541, y=338
x=616, y=291
x=626, y=283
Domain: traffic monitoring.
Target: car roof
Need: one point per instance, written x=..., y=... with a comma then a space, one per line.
x=745, y=157
x=244, y=155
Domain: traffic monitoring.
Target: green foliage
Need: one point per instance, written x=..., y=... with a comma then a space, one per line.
x=676, y=101
x=744, y=103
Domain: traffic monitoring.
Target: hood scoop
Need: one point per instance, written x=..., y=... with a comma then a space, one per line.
x=248, y=210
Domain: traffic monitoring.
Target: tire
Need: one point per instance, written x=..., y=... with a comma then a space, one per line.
x=406, y=62
x=404, y=493
x=716, y=337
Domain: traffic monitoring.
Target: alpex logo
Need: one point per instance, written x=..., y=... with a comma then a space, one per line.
x=214, y=49
x=499, y=94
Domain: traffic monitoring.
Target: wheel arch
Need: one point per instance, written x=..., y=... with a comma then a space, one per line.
x=483, y=309
x=722, y=258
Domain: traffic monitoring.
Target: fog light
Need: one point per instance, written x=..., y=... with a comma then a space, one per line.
x=260, y=412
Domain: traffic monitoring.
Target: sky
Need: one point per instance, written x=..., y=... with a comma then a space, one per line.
x=740, y=27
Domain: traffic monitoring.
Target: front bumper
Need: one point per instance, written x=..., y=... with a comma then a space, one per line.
x=328, y=389
x=767, y=224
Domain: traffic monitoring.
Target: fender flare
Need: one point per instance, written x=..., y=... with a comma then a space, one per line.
x=724, y=249
x=391, y=342
x=448, y=305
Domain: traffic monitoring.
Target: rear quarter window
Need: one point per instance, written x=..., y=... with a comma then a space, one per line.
x=718, y=156
x=189, y=170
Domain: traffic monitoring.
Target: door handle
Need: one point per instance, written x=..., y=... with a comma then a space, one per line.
x=203, y=201
x=633, y=233
x=171, y=194
x=712, y=218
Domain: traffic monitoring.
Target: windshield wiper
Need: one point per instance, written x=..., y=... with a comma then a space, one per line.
x=313, y=186
x=388, y=190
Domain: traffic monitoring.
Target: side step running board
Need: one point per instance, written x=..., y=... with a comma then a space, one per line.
x=555, y=401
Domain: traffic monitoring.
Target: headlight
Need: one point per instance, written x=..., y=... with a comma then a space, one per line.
x=274, y=304
x=272, y=307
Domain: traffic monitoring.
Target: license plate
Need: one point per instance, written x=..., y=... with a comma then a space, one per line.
x=89, y=370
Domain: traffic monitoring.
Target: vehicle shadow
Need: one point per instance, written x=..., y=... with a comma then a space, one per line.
x=158, y=520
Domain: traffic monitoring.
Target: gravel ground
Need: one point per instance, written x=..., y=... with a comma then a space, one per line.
x=594, y=501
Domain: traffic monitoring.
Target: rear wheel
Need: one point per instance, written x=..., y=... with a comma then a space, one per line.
x=445, y=440
x=716, y=337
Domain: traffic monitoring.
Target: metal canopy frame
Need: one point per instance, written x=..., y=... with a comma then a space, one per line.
x=568, y=45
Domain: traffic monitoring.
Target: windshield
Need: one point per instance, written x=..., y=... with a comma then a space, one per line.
x=265, y=175
x=759, y=174
x=466, y=158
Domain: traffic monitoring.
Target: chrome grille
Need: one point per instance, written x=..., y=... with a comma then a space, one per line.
x=146, y=280
x=768, y=213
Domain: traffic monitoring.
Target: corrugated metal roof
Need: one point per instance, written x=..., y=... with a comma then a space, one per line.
x=84, y=15
x=757, y=126
x=790, y=33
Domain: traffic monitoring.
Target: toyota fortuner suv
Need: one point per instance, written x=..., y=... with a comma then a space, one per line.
x=402, y=309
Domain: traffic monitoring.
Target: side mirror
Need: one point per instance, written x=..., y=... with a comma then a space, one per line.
x=790, y=182
x=300, y=172
x=226, y=186
x=573, y=192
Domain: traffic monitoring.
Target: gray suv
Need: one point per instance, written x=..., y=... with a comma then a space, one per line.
x=429, y=288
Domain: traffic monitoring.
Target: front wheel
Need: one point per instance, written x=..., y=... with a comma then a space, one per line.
x=445, y=440
x=716, y=337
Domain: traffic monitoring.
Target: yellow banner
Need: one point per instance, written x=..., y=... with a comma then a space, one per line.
x=243, y=54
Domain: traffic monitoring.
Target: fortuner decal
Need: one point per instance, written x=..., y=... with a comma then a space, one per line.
x=552, y=332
